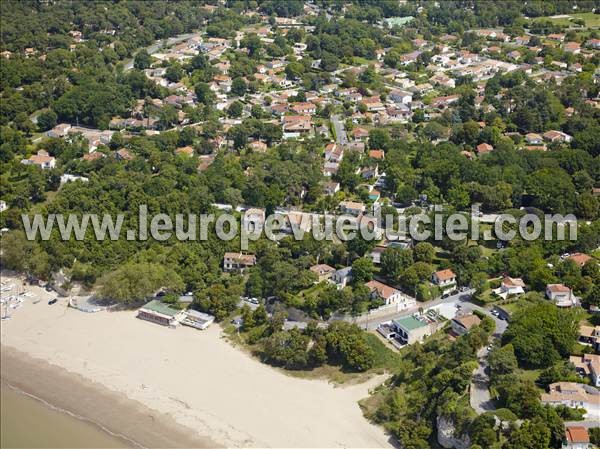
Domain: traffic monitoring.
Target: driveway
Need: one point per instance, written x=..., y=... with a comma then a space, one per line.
x=480, y=398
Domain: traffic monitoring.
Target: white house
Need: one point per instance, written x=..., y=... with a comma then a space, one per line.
x=560, y=294
x=253, y=220
x=574, y=395
x=400, y=96
x=510, y=287
x=42, y=159
x=342, y=277
x=390, y=295
x=444, y=278
x=71, y=178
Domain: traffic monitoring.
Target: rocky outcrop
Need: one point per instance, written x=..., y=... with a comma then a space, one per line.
x=446, y=437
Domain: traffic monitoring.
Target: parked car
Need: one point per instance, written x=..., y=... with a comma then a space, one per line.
x=52, y=301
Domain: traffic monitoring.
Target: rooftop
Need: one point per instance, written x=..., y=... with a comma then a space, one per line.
x=159, y=307
x=577, y=434
x=409, y=323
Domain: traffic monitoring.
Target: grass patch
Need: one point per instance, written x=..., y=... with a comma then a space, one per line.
x=385, y=358
x=591, y=20
x=529, y=374
x=511, y=307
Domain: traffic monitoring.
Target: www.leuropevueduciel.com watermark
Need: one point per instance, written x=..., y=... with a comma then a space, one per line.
x=252, y=224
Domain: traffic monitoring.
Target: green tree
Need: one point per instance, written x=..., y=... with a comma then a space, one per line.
x=204, y=94
x=347, y=344
x=424, y=252
x=541, y=334
x=134, y=282
x=142, y=60
x=362, y=270
x=46, y=120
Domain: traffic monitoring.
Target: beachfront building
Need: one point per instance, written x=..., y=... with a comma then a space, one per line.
x=238, y=261
x=159, y=313
x=196, y=319
x=412, y=329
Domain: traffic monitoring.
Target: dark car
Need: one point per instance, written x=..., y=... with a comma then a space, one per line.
x=52, y=301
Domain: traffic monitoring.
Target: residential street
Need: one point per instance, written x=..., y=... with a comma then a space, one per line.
x=480, y=399
x=340, y=131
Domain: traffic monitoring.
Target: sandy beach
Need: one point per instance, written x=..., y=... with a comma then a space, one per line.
x=192, y=385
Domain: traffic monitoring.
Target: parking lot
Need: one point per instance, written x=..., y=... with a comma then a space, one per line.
x=16, y=292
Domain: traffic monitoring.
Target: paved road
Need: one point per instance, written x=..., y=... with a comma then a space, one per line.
x=154, y=47
x=480, y=398
x=340, y=131
x=588, y=424
x=372, y=320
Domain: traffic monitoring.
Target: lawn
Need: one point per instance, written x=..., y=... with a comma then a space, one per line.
x=529, y=374
x=591, y=20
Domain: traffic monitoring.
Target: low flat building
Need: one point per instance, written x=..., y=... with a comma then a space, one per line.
x=196, y=319
x=159, y=313
x=411, y=329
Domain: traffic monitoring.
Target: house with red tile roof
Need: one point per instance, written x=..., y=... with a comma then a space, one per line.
x=579, y=258
x=576, y=437
x=484, y=148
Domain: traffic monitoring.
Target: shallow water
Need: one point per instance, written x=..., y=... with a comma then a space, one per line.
x=26, y=422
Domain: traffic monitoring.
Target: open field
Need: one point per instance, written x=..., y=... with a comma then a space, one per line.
x=591, y=20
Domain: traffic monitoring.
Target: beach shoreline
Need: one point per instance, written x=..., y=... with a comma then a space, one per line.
x=194, y=383
x=129, y=422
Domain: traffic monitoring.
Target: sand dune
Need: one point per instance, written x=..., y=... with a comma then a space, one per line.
x=196, y=377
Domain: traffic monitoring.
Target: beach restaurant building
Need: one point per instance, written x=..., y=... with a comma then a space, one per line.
x=159, y=313
x=196, y=319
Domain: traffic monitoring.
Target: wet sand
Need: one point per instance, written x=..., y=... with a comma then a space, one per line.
x=105, y=419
